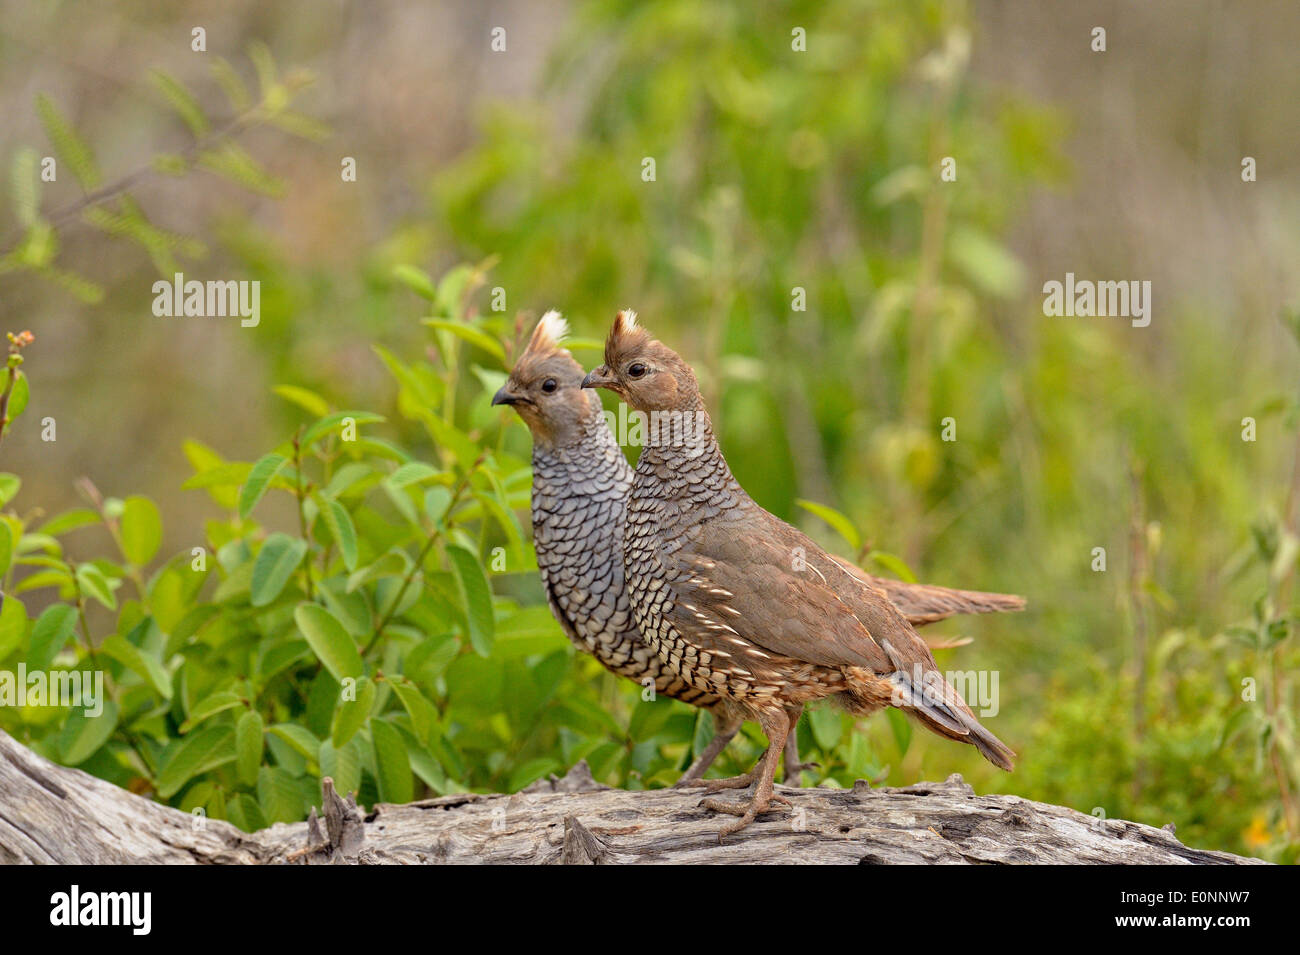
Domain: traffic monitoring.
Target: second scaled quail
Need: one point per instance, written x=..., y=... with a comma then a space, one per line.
x=739, y=603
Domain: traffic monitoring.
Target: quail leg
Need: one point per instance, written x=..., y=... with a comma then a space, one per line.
x=724, y=729
x=793, y=768
x=776, y=724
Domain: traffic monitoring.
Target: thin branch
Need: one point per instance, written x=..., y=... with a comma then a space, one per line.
x=4, y=400
x=15, y=360
x=419, y=561
x=72, y=211
x=302, y=512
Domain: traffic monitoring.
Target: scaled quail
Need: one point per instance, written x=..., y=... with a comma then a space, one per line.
x=741, y=604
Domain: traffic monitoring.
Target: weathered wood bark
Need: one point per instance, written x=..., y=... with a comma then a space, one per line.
x=52, y=814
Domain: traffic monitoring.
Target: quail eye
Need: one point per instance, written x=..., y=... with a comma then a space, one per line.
x=549, y=385
x=636, y=370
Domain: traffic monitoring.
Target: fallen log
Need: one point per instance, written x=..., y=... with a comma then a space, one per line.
x=53, y=814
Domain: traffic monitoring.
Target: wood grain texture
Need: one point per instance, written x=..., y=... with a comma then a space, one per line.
x=52, y=814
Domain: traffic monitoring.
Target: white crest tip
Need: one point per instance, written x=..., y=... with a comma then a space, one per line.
x=550, y=331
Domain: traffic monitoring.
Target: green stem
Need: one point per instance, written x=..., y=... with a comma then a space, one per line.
x=302, y=513
x=434, y=535
x=4, y=400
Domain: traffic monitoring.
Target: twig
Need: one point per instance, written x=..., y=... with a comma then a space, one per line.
x=66, y=214
x=15, y=360
x=302, y=513
x=419, y=561
x=4, y=400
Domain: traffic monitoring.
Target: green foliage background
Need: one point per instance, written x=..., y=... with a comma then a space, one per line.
x=381, y=545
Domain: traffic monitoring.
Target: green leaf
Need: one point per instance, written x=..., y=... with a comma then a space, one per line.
x=228, y=79
x=424, y=718
x=200, y=752
x=141, y=530
x=988, y=264
x=395, y=563
x=342, y=764
x=345, y=477
x=263, y=62
x=400, y=501
x=230, y=474
x=181, y=100
x=309, y=401
x=140, y=662
x=417, y=280
x=329, y=641
x=894, y=564
x=259, y=478
x=6, y=548
x=297, y=124
x=83, y=735
x=299, y=738
x=233, y=162
x=25, y=185
x=248, y=747
x=412, y=473
x=46, y=578
x=49, y=634
x=72, y=283
x=451, y=439
x=341, y=529
x=436, y=501
x=275, y=564
x=279, y=795
x=75, y=154
x=171, y=164
x=245, y=813
x=351, y=609
x=392, y=765
x=13, y=624
x=9, y=485
x=69, y=521
x=455, y=287
x=531, y=771
x=331, y=422
x=422, y=387
x=19, y=397
x=352, y=714
x=843, y=526
x=476, y=597
x=470, y=333
x=427, y=661
x=280, y=655
x=210, y=706
x=93, y=582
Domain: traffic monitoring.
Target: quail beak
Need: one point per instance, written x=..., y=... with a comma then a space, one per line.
x=598, y=378
x=504, y=397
